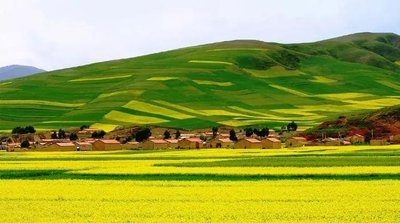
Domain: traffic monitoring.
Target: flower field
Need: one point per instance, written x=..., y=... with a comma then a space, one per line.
x=335, y=184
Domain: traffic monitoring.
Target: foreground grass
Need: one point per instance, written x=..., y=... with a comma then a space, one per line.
x=335, y=184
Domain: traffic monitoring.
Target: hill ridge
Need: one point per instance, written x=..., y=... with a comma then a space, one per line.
x=226, y=83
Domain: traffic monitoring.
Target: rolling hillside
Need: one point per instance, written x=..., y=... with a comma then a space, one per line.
x=234, y=83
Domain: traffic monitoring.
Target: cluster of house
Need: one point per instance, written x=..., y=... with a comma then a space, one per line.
x=186, y=141
x=152, y=143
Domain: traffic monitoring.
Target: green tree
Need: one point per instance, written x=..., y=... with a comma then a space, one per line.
x=143, y=134
x=30, y=129
x=54, y=135
x=18, y=130
x=98, y=134
x=214, y=131
x=84, y=127
x=25, y=144
x=292, y=126
x=232, y=135
x=177, y=134
x=61, y=134
x=248, y=132
x=167, y=134
x=73, y=136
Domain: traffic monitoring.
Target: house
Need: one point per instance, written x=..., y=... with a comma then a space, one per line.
x=248, y=143
x=84, y=146
x=221, y=143
x=296, y=142
x=378, y=142
x=271, y=143
x=106, y=145
x=331, y=141
x=60, y=146
x=155, y=144
x=190, y=143
x=356, y=139
x=132, y=145
x=173, y=143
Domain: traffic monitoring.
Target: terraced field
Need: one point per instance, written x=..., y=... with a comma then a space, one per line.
x=234, y=83
x=317, y=184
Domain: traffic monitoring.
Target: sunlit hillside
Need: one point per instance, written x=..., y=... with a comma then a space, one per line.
x=234, y=83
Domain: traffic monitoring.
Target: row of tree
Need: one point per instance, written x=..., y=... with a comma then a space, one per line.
x=23, y=130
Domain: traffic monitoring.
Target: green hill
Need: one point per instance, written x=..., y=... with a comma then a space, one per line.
x=233, y=83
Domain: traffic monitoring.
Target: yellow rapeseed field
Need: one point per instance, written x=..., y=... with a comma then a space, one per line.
x=127, y=186
x=203, y=201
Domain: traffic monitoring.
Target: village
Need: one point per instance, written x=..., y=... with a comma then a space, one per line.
x=200, y=139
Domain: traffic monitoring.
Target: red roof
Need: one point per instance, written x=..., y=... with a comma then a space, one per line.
x=172, y=140
x=225, y=140
x=300, y=138
x=65, y=144
x=84, y=143
x=158, y=141
x=253, y=140
x=194, y=140
x=273, y=139
x=109, y=141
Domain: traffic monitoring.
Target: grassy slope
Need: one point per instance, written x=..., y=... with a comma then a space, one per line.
x=235, y=83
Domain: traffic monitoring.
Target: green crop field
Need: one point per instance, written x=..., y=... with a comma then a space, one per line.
x=315, y=184
x=234, y=83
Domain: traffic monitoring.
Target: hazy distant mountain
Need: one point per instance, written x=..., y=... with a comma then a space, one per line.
x=14, y=71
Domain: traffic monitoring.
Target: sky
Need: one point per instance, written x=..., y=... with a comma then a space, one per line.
x=56, y=34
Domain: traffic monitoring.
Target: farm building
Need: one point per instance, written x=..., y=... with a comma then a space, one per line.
x=132, y=145
x=296, y=142
x=331, y=141
x=106, y=145
x=378, y=142
x=190, y=143
x=221, y=143
x=271, y=143
x=356, y=139
x=173, y=143
x=60, y=146
x=155, y=144
x=84, y=146
x=248, y=143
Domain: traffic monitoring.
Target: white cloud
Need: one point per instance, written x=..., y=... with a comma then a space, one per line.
x=63, y=33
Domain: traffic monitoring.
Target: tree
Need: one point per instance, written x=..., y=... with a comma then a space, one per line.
x=264, y=132
x=292, y=126
x=167, y=134
x=143, y=134
x=61, y=134
x=25, y=144
x=54, y=135
x=73, y=136
x=248, y=132
x=22, y=130
x=232, y=135
x=30, y=129
x=214, y=131
x=18, y=130
x=84, y=127
x=98, y=134
x=177, y=134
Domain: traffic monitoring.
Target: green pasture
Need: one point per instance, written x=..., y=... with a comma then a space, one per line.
x=234, y=83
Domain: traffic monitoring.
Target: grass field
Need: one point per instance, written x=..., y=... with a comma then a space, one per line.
x=294, y=80
x=316, y=184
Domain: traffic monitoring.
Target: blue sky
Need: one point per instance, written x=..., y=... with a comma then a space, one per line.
x=55, y=34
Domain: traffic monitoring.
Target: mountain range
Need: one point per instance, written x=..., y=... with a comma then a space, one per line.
x=233, y=83
x=14, y=71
